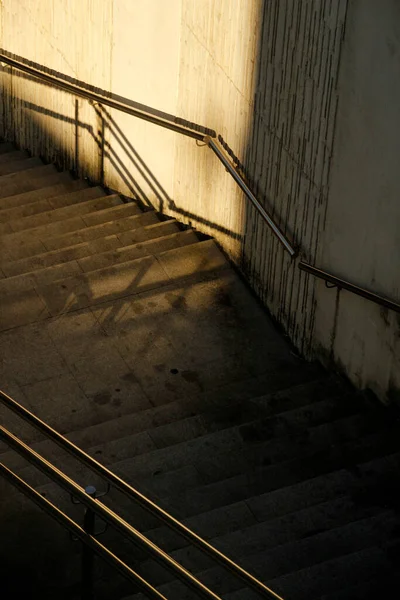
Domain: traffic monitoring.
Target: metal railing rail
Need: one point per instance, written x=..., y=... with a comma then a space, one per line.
x=105, y=513
x=244, y=187
x=346, y=285
x=134, y=494
x=80, y=533
x=187, y=131
x=211, y=142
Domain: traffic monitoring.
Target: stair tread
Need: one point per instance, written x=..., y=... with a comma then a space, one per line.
x=171, y=412
x=168, y=425
x=293, y=543
x=152, y=459
x=34, y=179
x=132, y=277
x=47, y=275
x=80, y=250
x=34, y=201
x=143, y=346
x=78, y=232
x=58, y=226
x=39, y=178
x=86, y=200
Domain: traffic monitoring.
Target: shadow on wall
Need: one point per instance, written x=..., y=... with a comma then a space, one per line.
x=106, y=135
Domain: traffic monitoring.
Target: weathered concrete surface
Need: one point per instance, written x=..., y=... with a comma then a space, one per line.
x=361, y=242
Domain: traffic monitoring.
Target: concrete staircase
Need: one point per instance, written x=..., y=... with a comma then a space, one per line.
x=142, y=345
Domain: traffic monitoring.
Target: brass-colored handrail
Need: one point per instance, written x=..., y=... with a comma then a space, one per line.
x=156, y=120
x=140, y=498
x=105, y=513
x=80, y=533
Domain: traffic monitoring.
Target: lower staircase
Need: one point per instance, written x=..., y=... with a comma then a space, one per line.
x=138, y=341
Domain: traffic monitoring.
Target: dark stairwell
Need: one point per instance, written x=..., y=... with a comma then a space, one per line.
x=138, y=341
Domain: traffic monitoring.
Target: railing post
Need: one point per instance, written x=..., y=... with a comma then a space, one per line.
x=87, y=553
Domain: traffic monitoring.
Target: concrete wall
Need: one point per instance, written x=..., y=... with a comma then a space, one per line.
x=265, y=75
x=361, y=241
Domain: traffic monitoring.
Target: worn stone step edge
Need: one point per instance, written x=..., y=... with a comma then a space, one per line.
x=142, y=443
x=150, y=459
x=81, y=202
x=47, y=275
x=73, y=223
x=81, y=250
x=32, y=201
x=288, y=544
x=40, y=177
x=153, y=420
x=262, y=480
x=284, y=501
x=134, y=277
x=330, y=567
x=81, y=233
x=23, y=228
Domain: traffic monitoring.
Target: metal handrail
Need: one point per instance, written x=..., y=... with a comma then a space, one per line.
x=244, y=187
x=105, y=513
x=209, y=140
x=80, y=533
x=187, y=131
x=351, y=287
x=140, y=498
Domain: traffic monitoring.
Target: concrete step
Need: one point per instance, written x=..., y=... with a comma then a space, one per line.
x=324, y=581
x=67, y=233
x=47, y=275
x=37, y=201
x=276, y=548
x=136, y=444
x=369, y=486
x=13, y=156
x=261, y=480
x=19, y=166
x=66, y=219
x=84, y=249
x=96, y=231
x=156, y=461
x=166, y=425
x=30, y=227
x=33, y=179
x=192, y=440
x=334, y=574
x=81, y=202
x=132, y=252
x=132, y=277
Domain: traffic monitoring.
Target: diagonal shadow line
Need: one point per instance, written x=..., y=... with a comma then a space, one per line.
x=140, y=164
x=91, y=88
x=125, y=174
x=117, y=163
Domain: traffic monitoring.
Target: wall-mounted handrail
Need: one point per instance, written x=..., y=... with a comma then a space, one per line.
x=80, y=533
x=244, y=187
x=105, y=513
x=100, y=98
x=134, y=494
x=187, y=131
x=351, y=287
